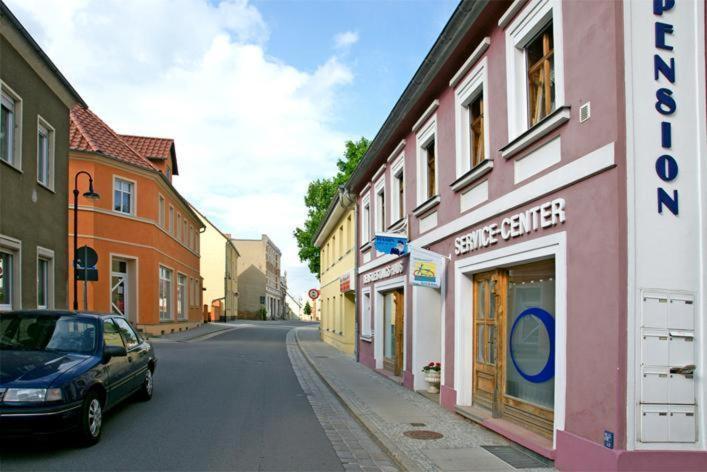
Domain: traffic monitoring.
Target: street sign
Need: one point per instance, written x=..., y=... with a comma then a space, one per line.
x=85, y=261
x=313, y=293
x=391, y=244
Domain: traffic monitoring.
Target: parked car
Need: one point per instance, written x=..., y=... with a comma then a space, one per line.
x=61, y=371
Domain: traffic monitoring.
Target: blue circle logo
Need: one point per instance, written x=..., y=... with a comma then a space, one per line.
x=548, y=371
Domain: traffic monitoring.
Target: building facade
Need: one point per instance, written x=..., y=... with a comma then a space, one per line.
x=219, y=270
x=259, y=280
x=35, y=100
x=144, y=232
x=335, y=240
x=533, y=164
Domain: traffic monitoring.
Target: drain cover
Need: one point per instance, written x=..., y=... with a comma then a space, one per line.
x=418, y=425
x=519, y=458
x=423, y=434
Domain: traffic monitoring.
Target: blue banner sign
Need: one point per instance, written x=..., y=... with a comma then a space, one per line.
x=391, y=244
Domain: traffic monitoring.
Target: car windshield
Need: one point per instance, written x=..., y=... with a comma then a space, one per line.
x=47, y=333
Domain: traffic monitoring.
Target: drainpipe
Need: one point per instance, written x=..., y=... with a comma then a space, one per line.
x=346, y=193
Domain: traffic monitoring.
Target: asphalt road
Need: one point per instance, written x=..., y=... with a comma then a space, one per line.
x=230, y=402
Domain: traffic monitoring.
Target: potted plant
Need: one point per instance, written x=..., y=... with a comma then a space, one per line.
x=432, y=376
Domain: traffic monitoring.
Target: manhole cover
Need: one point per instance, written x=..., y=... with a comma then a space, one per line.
x=519, y=458
x=418, y=425
x=423, y=434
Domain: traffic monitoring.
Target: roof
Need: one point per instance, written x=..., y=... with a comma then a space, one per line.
x=332, y=216
x=87, y=132
x=6, y=13
x=160, y=149
x=411, y=100
x=204, y=218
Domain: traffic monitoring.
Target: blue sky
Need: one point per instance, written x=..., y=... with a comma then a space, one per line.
x=259, y=95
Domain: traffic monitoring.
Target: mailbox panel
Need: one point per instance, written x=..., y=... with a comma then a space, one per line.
x=655, y=312
x=681, y=314
x=654, y=423
x=681, y=351
x=681, y=424
x=681, y=389
x=655, y=349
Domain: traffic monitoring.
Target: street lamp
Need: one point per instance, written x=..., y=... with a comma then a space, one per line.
x=92, y=196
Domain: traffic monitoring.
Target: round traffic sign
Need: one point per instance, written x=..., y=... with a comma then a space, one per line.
x=313, y=293
x=86, y=257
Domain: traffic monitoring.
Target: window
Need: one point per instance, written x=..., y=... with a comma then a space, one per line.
x=341, y=241
x=541, y=76
x=123, y=196
x=471, y=120
x=160, y=211
x=380, y=210
x=366, y=325
x=10, y=127
x=181, y=296
x=476, y=131
x=6, y=280
x=366, y=221
x=426, y=147
x=171, y=219
x=397, y=207
x=111, y=335
x=179, y=226
x=349, y=245
x=333, y=249
x=184, y=231
x=45, y=153
x=165, y=294
x=431, y=166
x=42, y=283
x=191, y=237
x=126, y=331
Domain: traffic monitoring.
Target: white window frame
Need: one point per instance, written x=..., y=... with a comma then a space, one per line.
x=16, y=137
x=524, y=28
x=366, y=219
x=182, y=283
x=169, y=314
x=397, y=170
x=44, y=126
x=475, y=84
x=366, y=315
x=46, y=255
x=161, y=211
x=379, y=219
x=13, y=247
x=133, y=195
x=427, y=133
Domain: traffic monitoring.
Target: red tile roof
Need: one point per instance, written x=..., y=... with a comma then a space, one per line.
x=151, y=148
x=88, y=132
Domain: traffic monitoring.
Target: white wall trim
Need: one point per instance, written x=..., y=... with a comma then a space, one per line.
x=510, y=13
x=547, y=125
x=552, y=245
x=14, y=246
x=475, y=84
x=398, y=149
x=48, y=255
x=426, y=134
x=480, y=49
x=592, y=163
x=427, y=113
x=377, y=262
x=378, y=173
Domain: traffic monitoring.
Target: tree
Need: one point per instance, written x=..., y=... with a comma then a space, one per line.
x=319, y=195
x=307, y=309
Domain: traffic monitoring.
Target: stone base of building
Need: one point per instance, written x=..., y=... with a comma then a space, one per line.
x=577, y=453
x=338, y=342
x=161, y=329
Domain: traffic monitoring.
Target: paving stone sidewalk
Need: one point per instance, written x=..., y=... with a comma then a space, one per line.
x=351, y=442
x=388, y=410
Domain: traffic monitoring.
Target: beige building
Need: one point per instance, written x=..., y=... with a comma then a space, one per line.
x=337, y=301
x=261, y=286
x=219, y=269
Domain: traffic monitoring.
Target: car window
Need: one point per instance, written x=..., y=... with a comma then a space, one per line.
x=39, y=332
x=127, y=332
x=111, y=336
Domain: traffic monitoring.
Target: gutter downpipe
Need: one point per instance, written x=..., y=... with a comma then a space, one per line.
x=345, y=192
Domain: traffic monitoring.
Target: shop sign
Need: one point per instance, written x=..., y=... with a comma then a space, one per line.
x=347, y=282
x=543, y=216
x=426, y=268
x=384, y=273
x=391, y=244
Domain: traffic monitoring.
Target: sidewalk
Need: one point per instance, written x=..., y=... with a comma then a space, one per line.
x=203, y=331
x=387, y=411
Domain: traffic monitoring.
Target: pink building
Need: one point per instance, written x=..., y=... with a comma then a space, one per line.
x=547, y=164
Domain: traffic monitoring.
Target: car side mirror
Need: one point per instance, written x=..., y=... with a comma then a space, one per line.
x=113, y=351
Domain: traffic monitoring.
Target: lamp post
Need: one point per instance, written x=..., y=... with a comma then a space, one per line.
x=90, y=195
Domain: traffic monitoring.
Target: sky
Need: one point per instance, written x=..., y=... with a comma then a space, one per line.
x=259, y=96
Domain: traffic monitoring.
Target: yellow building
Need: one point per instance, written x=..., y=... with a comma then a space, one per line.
x=335, y=240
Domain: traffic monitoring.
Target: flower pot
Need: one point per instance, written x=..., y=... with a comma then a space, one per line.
x=433, y=378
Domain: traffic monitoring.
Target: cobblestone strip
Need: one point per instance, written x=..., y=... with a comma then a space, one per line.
x=355, y=448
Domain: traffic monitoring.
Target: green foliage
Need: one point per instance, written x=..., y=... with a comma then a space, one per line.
x=263, y=313
x=307, y=309
x=318, y=198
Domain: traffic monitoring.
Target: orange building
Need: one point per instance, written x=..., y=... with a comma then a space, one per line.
x=144, y=232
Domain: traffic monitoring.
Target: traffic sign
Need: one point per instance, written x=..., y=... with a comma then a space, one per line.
x=313, y=293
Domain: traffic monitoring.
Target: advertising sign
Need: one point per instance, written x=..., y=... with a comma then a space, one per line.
x=347, y=282
x=426, y=268
x=391, y=244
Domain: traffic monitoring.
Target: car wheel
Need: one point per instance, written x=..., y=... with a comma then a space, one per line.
x=91, y=420
x=148, y=385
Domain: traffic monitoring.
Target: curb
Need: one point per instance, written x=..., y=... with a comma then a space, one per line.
x=385, y=443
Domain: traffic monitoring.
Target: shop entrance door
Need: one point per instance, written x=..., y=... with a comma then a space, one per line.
x=488, y=317
x=393, y=330
x=119, y=288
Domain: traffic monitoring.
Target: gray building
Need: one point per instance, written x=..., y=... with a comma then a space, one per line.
x=260, y=285
x=34, y=143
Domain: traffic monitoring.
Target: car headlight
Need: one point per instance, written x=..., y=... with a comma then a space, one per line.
x=32, y=395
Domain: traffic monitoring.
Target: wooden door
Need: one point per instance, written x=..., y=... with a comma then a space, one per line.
x=488, y=350
x=399, y=299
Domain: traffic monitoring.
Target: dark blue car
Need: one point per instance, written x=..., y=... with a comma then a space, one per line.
x=60, y=371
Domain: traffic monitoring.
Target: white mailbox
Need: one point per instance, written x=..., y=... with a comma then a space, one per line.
x=654, y=423
x=681, y=424
x=681, y=313
x=655, y=348
x=654, y=385
x=655, y=311
x=682, y=349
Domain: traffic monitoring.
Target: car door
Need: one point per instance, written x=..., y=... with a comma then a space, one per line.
x=137, y=353
x=118, y=367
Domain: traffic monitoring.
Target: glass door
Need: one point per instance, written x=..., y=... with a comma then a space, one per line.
x=393, y=331
x=119, y=288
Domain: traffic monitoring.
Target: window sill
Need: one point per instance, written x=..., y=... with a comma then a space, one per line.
x=541, y=129
x=367, y=338
x=472, y=175
x=426, y=206
x=12, y=166
x=366, y=246
x=397, y=225
x=46, y=187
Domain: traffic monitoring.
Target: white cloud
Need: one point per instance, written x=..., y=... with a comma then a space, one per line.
x=345, y=39
x=250, y=131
